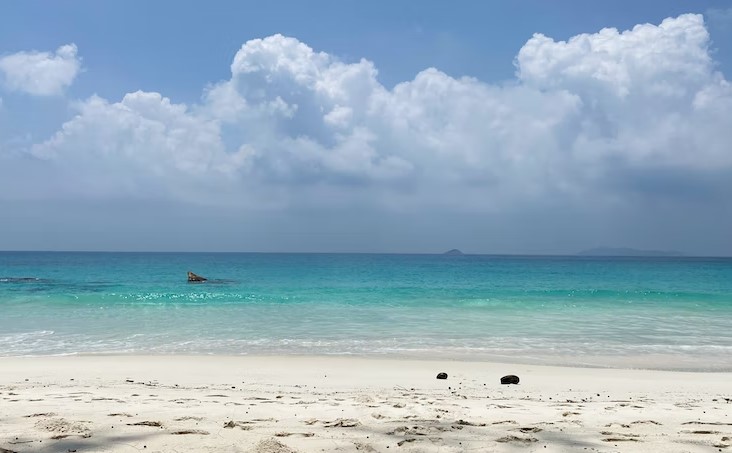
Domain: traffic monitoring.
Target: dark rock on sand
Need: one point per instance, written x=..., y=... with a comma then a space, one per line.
x=195, y=278
x=442, y=376
x=510, y=379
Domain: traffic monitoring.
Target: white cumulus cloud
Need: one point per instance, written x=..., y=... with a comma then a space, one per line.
x=587, y=119
x=40, y=73
x=142, y=146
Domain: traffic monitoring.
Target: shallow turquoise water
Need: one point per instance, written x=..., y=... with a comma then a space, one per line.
x=662, y=312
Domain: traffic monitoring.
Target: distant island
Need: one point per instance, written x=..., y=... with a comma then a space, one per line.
x=454, y=252
x=622, y=251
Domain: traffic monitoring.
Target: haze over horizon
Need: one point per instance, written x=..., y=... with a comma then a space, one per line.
x=521, y=128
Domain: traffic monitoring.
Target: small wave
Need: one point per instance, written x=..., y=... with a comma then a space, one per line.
x=25, y=341
x=20, y=280
x=221, y=281
x=27, y=335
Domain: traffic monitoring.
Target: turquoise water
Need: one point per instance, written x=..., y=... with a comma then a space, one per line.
x=650, y=312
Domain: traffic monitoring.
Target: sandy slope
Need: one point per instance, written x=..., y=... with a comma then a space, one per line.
x=306, y=404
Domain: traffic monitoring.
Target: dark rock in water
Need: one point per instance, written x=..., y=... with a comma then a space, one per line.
x=454, y=252
x=510, y=379
x=442, y=376
x=195, y=278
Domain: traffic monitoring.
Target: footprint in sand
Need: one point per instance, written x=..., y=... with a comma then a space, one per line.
x=610, y=433
x=243, y=425
x=406, y=430
x=191, y=431
x=342, y=423
x=359, y=447
x=147, y=423
x=467, y=423
x=516, y=439
x=645, y=422
x=530, y=429
x=620, y=437
x=62, y=428
x=622, y=425
x=708, y=423
x=288, y=434
x=272, y=446
x=42, y=414
x=183, y=419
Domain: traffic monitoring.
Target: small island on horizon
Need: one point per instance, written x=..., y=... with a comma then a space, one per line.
x=625, y=251
x=454, y=252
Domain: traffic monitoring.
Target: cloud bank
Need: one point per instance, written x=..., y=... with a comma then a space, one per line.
x=606, y=119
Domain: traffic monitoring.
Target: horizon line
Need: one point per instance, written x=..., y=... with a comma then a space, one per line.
x=579, y=254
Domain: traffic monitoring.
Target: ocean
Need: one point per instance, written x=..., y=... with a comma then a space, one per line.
x=661, y=313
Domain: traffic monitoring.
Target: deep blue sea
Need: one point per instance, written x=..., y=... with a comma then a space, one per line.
x=668, y=313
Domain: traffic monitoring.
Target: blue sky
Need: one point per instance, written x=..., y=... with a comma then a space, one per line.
x=310, y=159
x=179, y=47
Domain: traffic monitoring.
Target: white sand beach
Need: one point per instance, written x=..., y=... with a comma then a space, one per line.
x=323, y=404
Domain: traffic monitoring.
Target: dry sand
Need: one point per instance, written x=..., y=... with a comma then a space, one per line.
x=314, y=404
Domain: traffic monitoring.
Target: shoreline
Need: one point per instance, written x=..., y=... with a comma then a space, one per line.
x=281, y=404
x=647, y=362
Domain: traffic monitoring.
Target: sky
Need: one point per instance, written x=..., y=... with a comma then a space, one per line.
x=506, y=127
